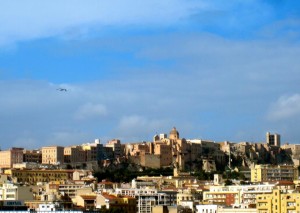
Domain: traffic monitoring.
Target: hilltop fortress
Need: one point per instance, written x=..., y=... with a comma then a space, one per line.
x=164, y=151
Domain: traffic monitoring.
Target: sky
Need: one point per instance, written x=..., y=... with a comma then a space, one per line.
x=215, y=70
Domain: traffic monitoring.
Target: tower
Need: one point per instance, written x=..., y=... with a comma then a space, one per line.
x=174, y=134
x=273, y=139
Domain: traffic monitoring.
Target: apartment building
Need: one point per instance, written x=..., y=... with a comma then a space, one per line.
x=69, y=189
x=278, y=201
x=115, y=144
x=230, y=195
x=184, y=195
x=53, y=155
x=74, y=154
x=33, y=176
x=10, y=191
x=32, y=156
x=260, y=173
x=86, y=201
x=10, y=157
x=92, y=151
x=147, y=198
x=110, y=201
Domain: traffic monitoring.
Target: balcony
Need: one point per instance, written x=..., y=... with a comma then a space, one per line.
x=291, y=207
x=262, y=207
x=291, y=200
x=262, y=200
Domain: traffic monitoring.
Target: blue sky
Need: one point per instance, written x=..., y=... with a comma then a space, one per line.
x=216, y=70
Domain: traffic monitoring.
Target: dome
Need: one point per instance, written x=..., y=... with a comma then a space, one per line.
x=174, y=134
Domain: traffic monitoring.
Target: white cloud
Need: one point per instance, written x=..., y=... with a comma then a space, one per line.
x=90, y=110
x=285, y=107
x=20, y=20
x=215, y=83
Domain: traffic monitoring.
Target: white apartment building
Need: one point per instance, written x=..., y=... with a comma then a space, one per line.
x=146, y=198
x=241, y=194
x=9, y=191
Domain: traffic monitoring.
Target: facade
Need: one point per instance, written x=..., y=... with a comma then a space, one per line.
x=109, y=201
x=278, y=202
x=135, y=149
x=212, y=208
x=165, y=153
x=146, y=198
x=86, y=201
x=74, y=154
x=185, y=195
x=33, y=176
x=92, y=151
x=230, y=195
x=48, y=207
x=294, y=151
x=115, y=144
x=260, y=173
x=10, y=191
x=53, y=155
x=32, y=156
x=10, y=157
x=69, y=189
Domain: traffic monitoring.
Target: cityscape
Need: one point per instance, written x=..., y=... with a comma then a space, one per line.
x=167, y=174
x=173, y=106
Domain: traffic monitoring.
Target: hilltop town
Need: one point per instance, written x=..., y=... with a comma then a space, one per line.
x=168, y=174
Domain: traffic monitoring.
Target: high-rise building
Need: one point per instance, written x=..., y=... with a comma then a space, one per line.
x=273, y=139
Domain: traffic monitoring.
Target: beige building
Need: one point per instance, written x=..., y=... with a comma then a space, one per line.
x=10, y=157
x=109, y=201
x=91, y=151
x=184, y=195
x=33, y=176
x=200, y=149
x=294, y=151
x=53, y=155
x=70, y=189
x=165, y=153
x=135, y=149
x=74, y=154
x=260, y=173
x=85, y=201
x=115, y=144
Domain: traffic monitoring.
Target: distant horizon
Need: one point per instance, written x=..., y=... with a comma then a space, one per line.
x=73, y=71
